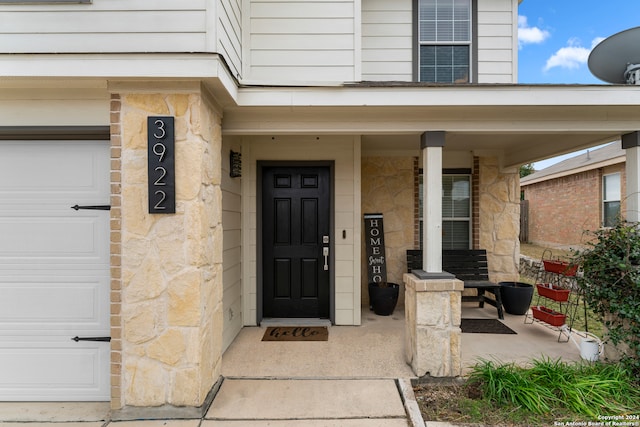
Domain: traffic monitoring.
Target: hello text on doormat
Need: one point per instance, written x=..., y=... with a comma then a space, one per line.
x=296, y=333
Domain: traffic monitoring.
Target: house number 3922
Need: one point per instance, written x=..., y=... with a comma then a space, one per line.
x=161, y=164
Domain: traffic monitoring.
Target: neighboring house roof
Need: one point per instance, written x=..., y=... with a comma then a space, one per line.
x=610, y=154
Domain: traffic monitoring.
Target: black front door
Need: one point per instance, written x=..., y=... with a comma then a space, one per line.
x=295, y=241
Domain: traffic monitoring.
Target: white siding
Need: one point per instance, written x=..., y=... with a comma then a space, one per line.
x=388, y=45
x=497, y=41
x=387, y=42
x=345, y=152
x=301, y=41
x=230, y=34
x=70, y=103
x=232, y=249
x=105, y=26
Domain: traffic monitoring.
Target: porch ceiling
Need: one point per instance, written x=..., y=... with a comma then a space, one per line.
x=521, y=124
x=514, y=148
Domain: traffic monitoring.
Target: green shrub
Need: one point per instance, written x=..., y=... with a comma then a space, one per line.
x=610, y=281
x=589, y=389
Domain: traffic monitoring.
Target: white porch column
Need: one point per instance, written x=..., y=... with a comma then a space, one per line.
x=631, y=143
x=431, y=144
x=433, y=297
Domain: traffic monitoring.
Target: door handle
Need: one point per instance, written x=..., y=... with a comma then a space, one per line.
x=77, y=338
x=325, y=253
x=93, y=208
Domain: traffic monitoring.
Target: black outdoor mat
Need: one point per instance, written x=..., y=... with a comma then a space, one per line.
x=296, y=333
x=485, y=326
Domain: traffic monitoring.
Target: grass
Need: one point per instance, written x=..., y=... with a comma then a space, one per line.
x=543, y=393
x=537, y=252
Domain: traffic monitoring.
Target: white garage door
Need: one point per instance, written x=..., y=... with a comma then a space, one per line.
x=54, y=270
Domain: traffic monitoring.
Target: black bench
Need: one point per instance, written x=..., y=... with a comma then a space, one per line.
x=470, y=266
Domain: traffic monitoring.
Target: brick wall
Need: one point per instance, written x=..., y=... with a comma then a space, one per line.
x=475, y=203
x=561, y=209
x=116, y=252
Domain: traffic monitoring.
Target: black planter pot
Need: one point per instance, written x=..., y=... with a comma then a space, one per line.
x=383, y=299
x=516, y=297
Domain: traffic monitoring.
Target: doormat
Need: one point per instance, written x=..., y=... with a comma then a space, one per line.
x=296, y=333
x=485, y=326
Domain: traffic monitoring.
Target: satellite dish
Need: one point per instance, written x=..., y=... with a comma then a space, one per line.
x=617, y=58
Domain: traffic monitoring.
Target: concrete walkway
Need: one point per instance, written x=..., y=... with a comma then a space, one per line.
x=358, y=377
x=350, y=380
x=308, y=402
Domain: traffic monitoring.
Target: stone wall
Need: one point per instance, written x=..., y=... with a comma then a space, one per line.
x=433, y=338
x=388, y=188
x=388, y=185
x=499, y=219
x=167, y=290
x=562, y=209
x=530, y=269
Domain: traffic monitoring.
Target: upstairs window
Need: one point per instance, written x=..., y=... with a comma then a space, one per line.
x=444, y=33
x=610, y=199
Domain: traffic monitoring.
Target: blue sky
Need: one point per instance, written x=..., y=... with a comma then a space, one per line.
x=555, y=38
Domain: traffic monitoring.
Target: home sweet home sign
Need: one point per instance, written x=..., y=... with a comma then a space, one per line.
x=374, y=235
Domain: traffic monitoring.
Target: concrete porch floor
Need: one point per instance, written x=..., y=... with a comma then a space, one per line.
x=376, y=349
x=533, y=341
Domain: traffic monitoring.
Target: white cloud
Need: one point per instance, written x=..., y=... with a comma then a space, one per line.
x=530, y=35
x=572, y=56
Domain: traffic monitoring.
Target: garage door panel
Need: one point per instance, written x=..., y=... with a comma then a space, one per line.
x=36, y=371
x=54, y=270
x=45, y=170
x=48, y=238
x=63, y=305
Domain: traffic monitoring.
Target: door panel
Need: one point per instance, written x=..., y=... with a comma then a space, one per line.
x=33, y=303
x=295, y=217
x=53, y=369
x=54, y=270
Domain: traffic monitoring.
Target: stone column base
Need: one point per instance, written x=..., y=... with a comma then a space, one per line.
x=167, y=412
x=433, y=334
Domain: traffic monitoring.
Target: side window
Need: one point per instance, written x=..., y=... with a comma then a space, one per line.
x=610, y=199
x=456, y=211
x=444, y=34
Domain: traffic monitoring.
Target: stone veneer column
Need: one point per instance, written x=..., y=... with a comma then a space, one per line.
x=499, y=193
x=432, y=326
x=167, y=302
